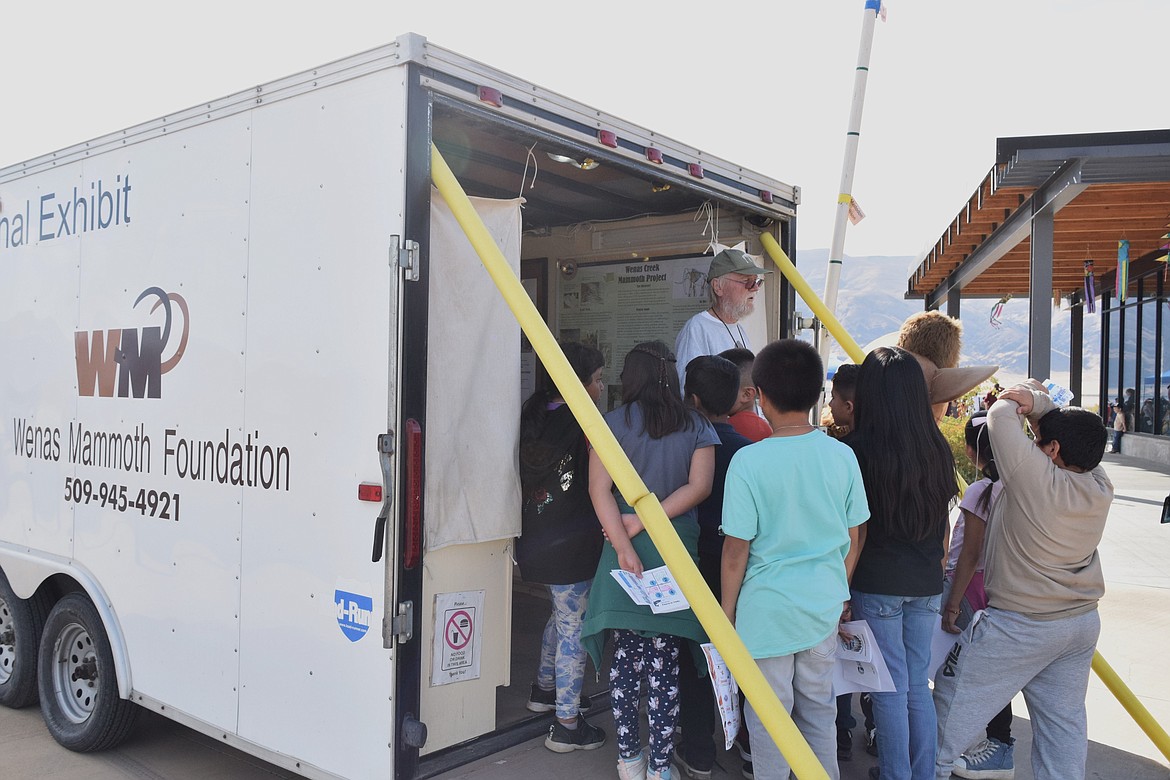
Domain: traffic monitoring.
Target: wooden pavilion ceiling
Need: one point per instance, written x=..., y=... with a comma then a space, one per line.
x=1088, y=227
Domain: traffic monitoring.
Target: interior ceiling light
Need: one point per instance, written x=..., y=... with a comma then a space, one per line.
x=587, y=164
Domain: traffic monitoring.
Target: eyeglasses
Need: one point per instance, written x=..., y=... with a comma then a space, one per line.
x=751, y=284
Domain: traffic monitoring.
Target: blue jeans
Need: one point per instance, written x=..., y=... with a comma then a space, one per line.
x=905, y=719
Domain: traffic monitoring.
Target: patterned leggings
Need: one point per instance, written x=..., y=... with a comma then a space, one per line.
x=562, y=656
x=655, y=659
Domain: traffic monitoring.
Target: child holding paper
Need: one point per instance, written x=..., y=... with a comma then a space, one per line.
x=792, y=507
x=673, y=449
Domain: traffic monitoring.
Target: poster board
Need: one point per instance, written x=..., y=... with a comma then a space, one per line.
x=615, y=305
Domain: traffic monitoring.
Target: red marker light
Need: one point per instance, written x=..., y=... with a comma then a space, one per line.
x=695, y=169
x=765, y=196
x=654, y=155
x=369, y=492
x=607, y=138
x=491, y=96
x=412, y=544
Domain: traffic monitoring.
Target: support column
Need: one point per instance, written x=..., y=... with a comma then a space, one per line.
x=1040, y=297
x=1076, y=348
x=953, y=304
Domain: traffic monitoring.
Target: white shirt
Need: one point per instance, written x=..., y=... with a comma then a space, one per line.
x=705, y=334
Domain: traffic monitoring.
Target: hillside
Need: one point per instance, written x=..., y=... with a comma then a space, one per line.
x=871, y=304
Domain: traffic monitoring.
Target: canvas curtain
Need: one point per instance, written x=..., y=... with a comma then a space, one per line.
x=472, y=491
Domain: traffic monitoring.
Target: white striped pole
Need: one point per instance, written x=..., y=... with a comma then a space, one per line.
x=845, y=194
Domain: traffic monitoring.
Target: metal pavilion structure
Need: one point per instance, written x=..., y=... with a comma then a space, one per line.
x=1048, y=204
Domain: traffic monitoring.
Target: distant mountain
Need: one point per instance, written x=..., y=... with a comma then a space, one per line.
x=871, y=304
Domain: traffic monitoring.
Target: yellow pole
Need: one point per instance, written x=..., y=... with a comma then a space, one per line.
x=1135, y=708
x=827, y=318
x=751, y=681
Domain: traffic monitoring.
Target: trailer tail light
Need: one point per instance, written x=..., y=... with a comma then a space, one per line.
x=412, y=544
x=654, y=155
x=369, y=492
x=491, y=96
x=695, y=169
x=607, y=138
x=765, y=196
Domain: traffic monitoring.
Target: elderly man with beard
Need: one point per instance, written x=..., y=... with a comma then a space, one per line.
x=735, y=279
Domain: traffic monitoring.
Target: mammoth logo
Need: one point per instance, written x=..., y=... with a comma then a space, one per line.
x=127, y=358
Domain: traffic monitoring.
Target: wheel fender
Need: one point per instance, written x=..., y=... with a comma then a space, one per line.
x=27, y=569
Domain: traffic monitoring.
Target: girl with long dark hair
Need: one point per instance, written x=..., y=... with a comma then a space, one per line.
x=560, y=544
x=673, y=449
x=909, y=476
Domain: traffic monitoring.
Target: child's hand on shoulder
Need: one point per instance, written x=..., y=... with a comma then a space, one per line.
x=1021, y=395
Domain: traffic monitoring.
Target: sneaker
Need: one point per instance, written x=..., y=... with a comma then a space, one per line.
x=584, y=737
x=989, y=760
x=634, y=768
x=844, y=745
x=688, y=768
x=540, y=700
x=745, y=752
x=871, y=742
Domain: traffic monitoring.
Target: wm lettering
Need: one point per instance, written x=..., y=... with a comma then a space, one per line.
x=129, y=361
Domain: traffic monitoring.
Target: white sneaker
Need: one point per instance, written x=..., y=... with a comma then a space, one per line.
x=632, y=769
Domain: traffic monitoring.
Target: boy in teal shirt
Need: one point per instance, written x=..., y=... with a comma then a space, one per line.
x=791, y=510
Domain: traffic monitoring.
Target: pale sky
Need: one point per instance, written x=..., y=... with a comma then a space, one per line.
x=766, y=85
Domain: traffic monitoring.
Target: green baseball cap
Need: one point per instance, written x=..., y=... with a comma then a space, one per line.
x=733, y=261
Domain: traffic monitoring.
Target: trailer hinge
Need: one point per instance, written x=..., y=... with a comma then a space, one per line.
x=405, y=255
x=402, y=624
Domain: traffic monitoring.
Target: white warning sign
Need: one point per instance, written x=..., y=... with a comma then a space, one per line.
x=458, y=631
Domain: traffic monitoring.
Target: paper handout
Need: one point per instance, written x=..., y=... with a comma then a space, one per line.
x=726, y=692
x=655, y=589
x=860, y=666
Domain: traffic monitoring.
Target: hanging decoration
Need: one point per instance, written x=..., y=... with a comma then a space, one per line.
x=1090, y=289
x=1122, y=270
x=1165, y=248
x=997, y=310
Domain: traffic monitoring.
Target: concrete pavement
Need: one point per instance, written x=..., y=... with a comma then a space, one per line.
x=1135, y=628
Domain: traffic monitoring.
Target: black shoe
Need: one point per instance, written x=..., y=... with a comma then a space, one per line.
x=743, y=742
x=871, y=741
x=689, y=768
x=844, y=745
x=584, y=737
x=540, y=700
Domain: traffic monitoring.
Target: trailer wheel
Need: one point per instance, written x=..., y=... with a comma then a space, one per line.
x=21, y=623
x=78, y=686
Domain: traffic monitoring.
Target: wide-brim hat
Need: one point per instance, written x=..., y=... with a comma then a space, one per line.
x=947, y=384
x=734, y=261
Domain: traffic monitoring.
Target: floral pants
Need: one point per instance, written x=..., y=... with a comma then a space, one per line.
x=562, y=657
x=654, y=659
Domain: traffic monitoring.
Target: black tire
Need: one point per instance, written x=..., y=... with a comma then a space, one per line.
x=21, y=623
x=77, y=683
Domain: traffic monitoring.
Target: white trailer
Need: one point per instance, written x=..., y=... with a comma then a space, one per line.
x=242, y=341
